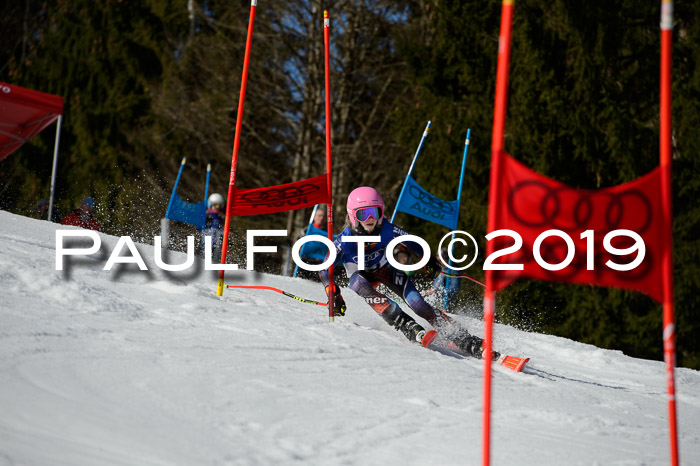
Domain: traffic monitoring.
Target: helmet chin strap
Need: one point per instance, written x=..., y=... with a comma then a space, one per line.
x=360, y=229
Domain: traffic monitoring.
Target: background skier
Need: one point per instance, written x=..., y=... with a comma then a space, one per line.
x=82, y=216
x=214, y=224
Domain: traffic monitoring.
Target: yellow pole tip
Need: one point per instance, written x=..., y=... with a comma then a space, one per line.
x=325, y=13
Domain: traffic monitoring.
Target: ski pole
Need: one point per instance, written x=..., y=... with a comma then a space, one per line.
x=303, y=300
x=454, y=275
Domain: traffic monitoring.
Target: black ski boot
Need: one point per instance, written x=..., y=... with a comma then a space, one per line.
x=409, y=327
x=474, y=346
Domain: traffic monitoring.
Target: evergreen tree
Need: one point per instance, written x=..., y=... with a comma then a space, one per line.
x=103, y=58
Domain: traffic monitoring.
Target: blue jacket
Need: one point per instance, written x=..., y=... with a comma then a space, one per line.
x=375, y=253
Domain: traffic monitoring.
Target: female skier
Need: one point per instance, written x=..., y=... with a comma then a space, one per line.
x=365, y=209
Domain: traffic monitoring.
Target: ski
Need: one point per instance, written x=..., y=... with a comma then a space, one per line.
x=511, y=362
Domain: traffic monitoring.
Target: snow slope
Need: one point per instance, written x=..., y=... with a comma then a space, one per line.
x=147, y=368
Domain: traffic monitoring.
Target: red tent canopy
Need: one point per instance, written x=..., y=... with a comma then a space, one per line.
x=24, y=113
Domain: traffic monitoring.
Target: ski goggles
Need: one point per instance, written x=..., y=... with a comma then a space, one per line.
x=365, y=213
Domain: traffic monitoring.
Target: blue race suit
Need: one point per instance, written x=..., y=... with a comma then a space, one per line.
x=214, y=227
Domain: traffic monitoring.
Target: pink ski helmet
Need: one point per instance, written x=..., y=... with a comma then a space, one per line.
x=363, y=197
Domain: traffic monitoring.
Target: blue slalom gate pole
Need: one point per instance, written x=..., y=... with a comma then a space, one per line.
x=308, y=230
x=177, y=181
x=410, y=170
x=459, y=197
x=206, y=187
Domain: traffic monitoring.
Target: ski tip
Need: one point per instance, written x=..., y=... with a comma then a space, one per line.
x=521, y=364
x=511, y=362
x=428, y=338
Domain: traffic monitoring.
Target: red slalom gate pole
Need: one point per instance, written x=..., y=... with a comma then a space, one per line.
x=236, y=143
x=326, y=41
x=669, y=330
x=499, y=123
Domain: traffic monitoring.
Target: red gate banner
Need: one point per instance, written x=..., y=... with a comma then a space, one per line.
x=530, y=204
x=280, y=198
x=24, y=113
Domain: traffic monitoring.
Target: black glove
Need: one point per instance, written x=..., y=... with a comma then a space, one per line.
x=433, y=268
x=339, y=306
